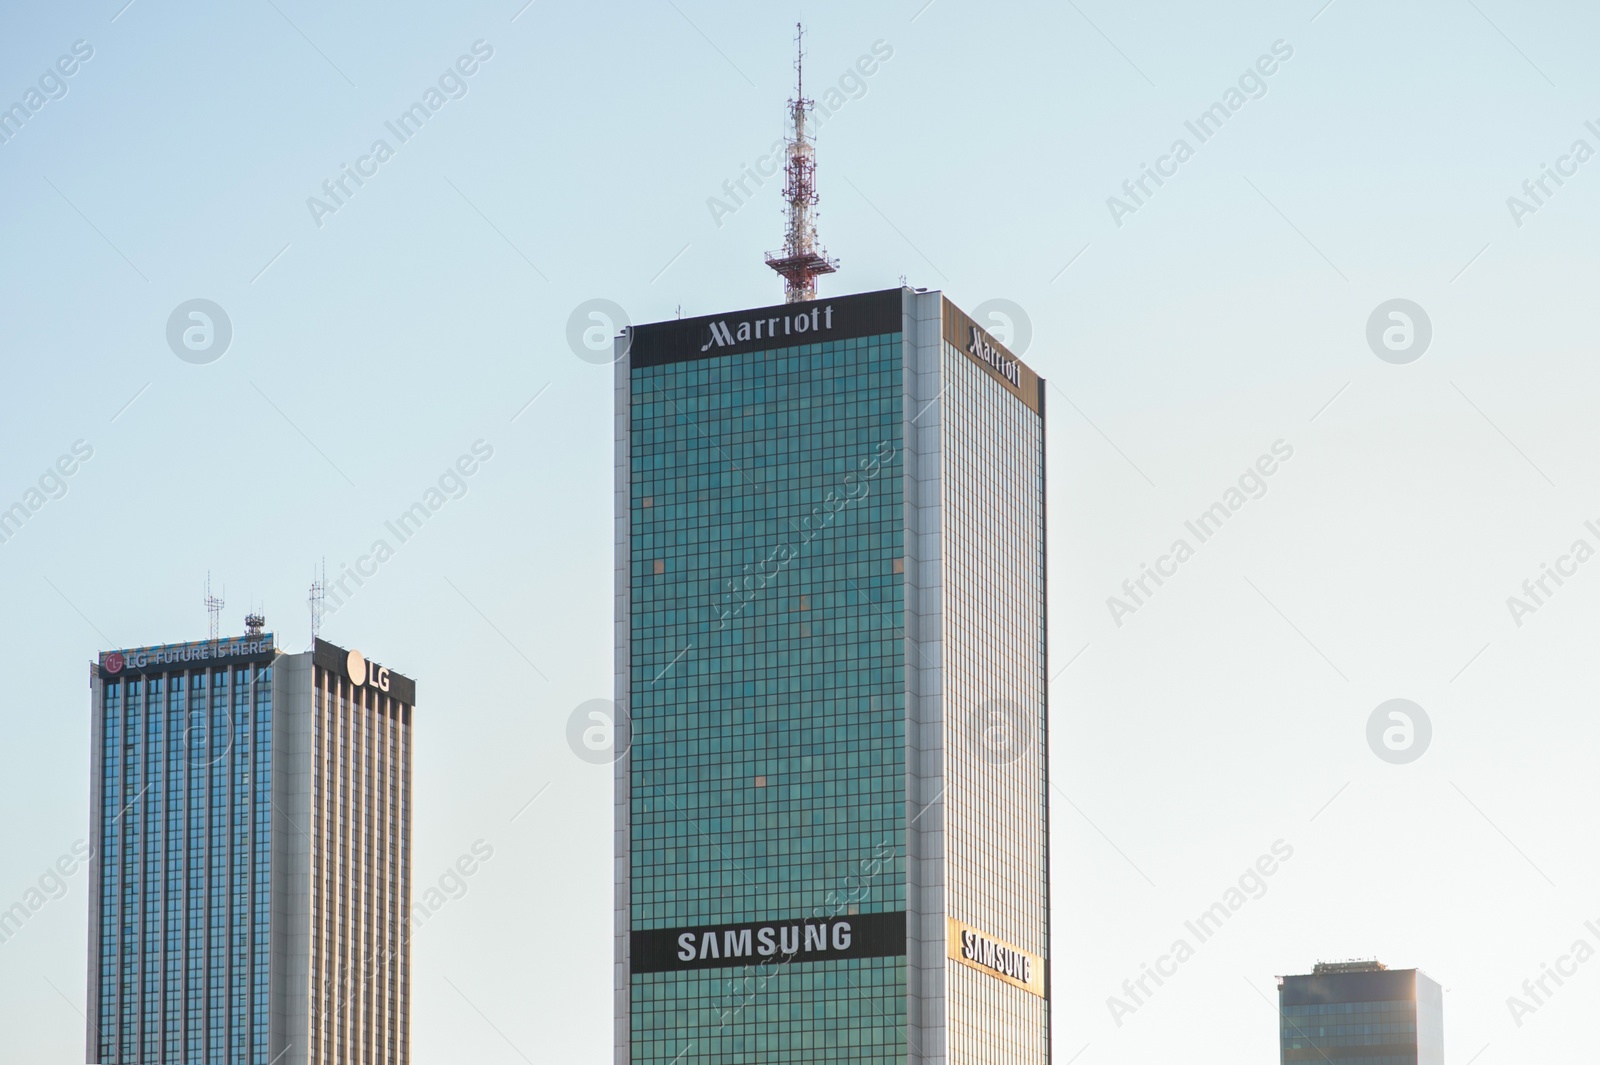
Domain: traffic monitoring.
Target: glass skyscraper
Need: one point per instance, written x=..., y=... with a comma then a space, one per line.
x=831, y=809
x=250, y=879
x=1361, y=1013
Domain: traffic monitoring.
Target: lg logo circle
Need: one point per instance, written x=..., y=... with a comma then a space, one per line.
x=199, y=331
x=360, y=671
x=1399, y=731
x=1399, y=331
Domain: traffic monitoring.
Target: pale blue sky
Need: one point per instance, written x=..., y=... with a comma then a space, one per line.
x=371, y=351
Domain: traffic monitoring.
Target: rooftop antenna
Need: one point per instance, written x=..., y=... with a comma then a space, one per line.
x=214, y=608
x=253, y=624
x=802, y=260
x=319, y=591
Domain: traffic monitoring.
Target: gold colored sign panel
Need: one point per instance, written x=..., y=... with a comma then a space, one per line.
x=979, y=950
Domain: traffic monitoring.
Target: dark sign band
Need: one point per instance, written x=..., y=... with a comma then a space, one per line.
x=335, y=660
x=766, y=328
x=859, y=935
x=176, y=657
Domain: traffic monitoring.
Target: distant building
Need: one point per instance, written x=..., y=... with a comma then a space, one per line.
x=1363, y=1012
x=251, y=873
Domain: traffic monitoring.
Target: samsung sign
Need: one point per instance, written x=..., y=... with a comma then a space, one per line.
x=865, y=935
x=981, y=951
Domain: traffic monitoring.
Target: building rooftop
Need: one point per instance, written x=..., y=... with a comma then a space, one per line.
x=1357, y=965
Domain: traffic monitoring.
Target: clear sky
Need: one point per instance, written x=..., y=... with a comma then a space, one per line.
x=1184, y=334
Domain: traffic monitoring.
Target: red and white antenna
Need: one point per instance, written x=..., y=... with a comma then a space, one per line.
x=802, y=259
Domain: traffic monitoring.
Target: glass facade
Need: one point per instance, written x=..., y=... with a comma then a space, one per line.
x=184, y=914
x=1361, y=1015
x=1365, y=1032
x=766, y=688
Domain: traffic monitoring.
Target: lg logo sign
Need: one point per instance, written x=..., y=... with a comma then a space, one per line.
x=360, y=671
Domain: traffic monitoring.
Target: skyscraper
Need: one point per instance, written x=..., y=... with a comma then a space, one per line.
x=252, y=853
x=1361, y=1012
x=831, y=812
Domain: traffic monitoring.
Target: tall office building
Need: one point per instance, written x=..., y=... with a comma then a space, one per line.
x=252, y=854
x=831, y=809
x=1361, y=1013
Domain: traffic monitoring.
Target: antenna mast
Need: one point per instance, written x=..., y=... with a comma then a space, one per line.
x=802, y=260
x=319, y=590
x=214, y=606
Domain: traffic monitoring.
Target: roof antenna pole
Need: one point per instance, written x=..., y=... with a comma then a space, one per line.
x=214, y=606
x=319, y=591
x=802, y=259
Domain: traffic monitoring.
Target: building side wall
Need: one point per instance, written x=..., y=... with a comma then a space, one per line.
x=621, y=733
x=994, y=704
x=402, y=801
x=91, y=1035
x=925, y=1011
x=291, y=858
x=360, y=874
x=1430, y=1021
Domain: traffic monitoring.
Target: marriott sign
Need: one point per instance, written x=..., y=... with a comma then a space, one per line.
x=816, y=320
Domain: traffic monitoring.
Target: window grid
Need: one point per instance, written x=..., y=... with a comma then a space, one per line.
x=766, y=689
x=185, y=916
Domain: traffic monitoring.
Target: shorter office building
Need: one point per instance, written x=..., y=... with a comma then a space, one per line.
x=251, y=865
x=1360, y=1013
